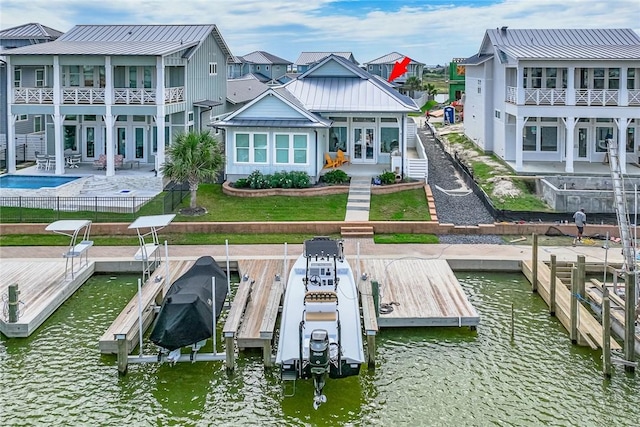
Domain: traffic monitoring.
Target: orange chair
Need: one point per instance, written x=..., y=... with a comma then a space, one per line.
x=341, y=158
x=330, y=163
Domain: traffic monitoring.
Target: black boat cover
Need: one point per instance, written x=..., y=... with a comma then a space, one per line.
x=186, y=314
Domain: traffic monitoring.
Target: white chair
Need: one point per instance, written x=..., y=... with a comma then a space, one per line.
x=42, y=162
x=51, y=163
x=74, y=161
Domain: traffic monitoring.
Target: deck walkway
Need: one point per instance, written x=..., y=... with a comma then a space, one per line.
x=43, y=287
x=421, y=292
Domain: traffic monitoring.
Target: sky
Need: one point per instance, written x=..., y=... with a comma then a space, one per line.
x=428, y=31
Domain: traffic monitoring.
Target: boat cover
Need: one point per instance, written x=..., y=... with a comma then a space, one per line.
x=186, y=315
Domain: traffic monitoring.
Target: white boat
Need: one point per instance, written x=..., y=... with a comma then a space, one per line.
x=320, y=332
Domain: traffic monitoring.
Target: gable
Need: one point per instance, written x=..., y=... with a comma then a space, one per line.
x=331, y=69
x=270, y=107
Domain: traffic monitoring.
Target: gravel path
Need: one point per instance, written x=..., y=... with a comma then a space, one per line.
x=456, y=204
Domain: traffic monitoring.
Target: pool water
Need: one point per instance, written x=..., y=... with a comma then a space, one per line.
x=34, y=182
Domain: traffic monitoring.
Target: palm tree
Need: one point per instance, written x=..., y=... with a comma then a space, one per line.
x=431, y=90
x=412, y=84
x=194, y=157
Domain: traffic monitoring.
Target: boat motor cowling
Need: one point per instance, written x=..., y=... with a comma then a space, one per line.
x=319, y=351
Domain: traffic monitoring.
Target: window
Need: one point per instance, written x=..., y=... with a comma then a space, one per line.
x=548, y=138
x=17, y=77
x=133, y=77
x=288, y=154
x=631, y=78
x=529, y=138
x=614, y=78
x=601, y=135
x=37, y=124
x=89, y=118
x=251, y=147
x=551, y=77
x=496, y=114
x=338, y=138
x=74, y=75
x=90, y=136
x=190, y=117
x=40, y=82
x=87, y=72
x=389, y=137
x=147, y=77
x=213, y=68
x=631, y=132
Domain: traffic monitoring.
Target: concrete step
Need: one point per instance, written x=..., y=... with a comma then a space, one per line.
x=356, y=231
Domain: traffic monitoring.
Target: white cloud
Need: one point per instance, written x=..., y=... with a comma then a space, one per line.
x=431, y=34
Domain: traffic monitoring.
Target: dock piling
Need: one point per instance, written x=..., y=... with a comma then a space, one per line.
x=630, y=321
x=552, y=286
x=581, y=275
x=574, y=306
x=606, y=333
x=123, y=354
x=13, y=303
x=534, y=262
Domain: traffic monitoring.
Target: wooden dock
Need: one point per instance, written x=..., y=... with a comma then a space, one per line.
x=43, y=287
x=421, y=292
x=265, y=279
x=589, y=329
x=127, y=322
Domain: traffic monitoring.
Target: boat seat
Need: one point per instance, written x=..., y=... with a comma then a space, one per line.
x=320, y=316
x=320, y=296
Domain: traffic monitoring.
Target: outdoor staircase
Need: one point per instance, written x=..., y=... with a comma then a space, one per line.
x=356, y=231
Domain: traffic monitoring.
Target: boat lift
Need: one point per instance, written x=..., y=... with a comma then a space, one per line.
x=149, y=252
x=73, y=228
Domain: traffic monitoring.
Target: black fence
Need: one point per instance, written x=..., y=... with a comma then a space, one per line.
x=517, y=216
x=22, y=209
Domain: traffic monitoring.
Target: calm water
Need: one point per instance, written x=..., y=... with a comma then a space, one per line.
x=34, y=181
x=450, y=377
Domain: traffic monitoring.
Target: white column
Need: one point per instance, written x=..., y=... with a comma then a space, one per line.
x=160, y=114
x=109, y=119
x=622, y=143
x=520, y=85
x=570, y=126
x=623, y=96
x=519, y=128
x=11, y=121
x=571, y=85
x=58, y=118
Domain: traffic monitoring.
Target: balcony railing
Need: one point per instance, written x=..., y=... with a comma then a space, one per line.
x=590, y=97
x=90, y=96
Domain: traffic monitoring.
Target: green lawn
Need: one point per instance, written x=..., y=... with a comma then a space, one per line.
x=408, y=205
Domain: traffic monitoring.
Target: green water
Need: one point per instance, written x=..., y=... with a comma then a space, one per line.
x=450, y=377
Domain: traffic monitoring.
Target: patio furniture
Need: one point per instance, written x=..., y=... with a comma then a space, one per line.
x=101, y=163
x=51, y=162
x=74, y=161
x=330, y=163
x=130, y=163
x=341, y=158
x=118, y=161
x=42, y=161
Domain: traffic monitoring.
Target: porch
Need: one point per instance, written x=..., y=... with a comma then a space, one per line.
x=579, y=168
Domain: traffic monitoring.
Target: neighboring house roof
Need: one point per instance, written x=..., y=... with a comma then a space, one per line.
x=261, y=57
x=31, y=31
x=352, y=89
x=391, y=58
x=559, y=44
x=155, y=40
x=476, y=59
x=307, y=58
x=244, y=89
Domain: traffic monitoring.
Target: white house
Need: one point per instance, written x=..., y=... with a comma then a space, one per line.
x=334, y=105
x=554, y=95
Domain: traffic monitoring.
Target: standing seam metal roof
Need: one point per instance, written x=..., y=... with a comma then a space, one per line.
x=30, y=31
x=391, y=58
x=261, y=57
x=307, y=58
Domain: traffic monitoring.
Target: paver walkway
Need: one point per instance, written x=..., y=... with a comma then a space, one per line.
x=359, y=199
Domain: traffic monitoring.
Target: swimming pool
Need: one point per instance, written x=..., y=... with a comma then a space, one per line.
x=34, y=182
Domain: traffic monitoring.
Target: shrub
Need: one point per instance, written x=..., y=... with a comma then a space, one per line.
x=241, y=183
x=259, y=181
x=335, y=176
x=387, y=177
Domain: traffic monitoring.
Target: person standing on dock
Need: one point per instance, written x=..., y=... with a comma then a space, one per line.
x=581, y=219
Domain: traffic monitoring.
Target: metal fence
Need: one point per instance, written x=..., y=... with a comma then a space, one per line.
x=98, y=209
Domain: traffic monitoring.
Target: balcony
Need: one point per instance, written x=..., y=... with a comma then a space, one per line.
x=96, y=96
x=589, y=97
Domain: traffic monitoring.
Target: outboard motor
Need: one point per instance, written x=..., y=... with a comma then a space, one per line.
x=319, y=360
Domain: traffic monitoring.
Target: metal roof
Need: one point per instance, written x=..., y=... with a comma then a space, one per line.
x=126, y=40
x=262, y=57
x=244, y=89
x=31, y=31
x=361, y=92
x=565, y=43
x=307, y=58
x=476, y=59
x=391, y=58
x=207, y=103
x=289, y=123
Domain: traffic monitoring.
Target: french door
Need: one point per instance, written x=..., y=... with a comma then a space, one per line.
x=364, y=145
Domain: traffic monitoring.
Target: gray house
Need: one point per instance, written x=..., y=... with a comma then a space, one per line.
x=383, y=66
x=15, y=37
x=335, y=105
x=307, y=60
x=264, y=66
x=119, y=91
